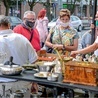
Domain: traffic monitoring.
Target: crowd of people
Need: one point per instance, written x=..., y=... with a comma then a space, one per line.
x=26, y=39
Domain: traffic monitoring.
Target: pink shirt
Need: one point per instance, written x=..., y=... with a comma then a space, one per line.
x=42, y=27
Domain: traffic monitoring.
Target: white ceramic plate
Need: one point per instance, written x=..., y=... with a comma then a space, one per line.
x=41, y=75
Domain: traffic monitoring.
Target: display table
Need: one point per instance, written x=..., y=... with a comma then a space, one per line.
x=29, y=76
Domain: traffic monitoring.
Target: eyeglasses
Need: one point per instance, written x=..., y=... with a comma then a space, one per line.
x=31, y=19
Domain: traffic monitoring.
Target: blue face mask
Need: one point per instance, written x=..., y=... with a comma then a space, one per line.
x=96, y=23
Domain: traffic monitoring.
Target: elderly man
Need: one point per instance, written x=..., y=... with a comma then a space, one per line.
x=27, y=29
x=16, y=45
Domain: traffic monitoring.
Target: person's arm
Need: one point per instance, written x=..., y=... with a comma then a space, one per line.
x=60, y=46
x=88, y=49
x=73, y=47
x=47, y=42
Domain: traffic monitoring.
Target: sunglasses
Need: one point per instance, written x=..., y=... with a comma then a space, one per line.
x=31, y=19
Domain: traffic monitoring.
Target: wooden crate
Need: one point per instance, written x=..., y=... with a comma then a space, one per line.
x=81, y=73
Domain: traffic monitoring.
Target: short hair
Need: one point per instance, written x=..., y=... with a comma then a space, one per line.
x=29, y=12
x=64, y=12
x=4, y=20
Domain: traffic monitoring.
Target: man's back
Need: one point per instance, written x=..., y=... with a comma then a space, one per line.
x=17, y=46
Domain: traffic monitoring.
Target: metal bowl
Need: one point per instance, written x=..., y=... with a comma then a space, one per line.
x=29, y=66
x=46, y=67
x=52, y=77
x=11, y=70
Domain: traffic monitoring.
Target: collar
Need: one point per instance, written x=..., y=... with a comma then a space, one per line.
x=6, y=32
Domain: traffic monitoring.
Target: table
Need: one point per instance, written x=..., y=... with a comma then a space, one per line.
x=28, y=76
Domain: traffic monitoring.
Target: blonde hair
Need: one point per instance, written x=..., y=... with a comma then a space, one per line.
x=64, y=12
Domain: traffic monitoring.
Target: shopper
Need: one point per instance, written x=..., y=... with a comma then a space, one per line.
x=62, y=36
x=42, y=26
x=86, y=39
x=27, y=29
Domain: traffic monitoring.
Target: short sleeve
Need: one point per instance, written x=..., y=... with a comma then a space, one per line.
x=88, y=39
x=96, y=41
x=76, y=36
x=51, y=30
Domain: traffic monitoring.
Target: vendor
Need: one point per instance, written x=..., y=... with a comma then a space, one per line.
x=92, y=47
x=88, y=49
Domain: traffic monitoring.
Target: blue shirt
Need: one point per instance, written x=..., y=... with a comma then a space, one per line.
x=86, y=39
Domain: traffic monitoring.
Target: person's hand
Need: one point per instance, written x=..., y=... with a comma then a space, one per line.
x=92, y=26
x=57, y=46
x=96, y=16
x=73, y=53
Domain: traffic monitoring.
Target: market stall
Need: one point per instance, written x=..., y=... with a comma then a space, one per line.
x=74, y=74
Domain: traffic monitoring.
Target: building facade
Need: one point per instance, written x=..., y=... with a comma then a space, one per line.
x=82, y=9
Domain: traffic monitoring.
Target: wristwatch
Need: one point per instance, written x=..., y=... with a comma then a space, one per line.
x=63, y=47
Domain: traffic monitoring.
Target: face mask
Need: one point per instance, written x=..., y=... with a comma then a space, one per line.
x=30, y=24
x=96, y=23
x=64, y=24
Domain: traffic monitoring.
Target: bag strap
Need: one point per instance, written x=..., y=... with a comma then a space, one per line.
x=60, y=36
x=30, y=32
x=63, y=50
x=52, y=33
x=31, y=36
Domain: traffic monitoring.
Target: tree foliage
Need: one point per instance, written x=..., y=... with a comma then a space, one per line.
x=8, y=4
x=72, y=5
x=32, y=3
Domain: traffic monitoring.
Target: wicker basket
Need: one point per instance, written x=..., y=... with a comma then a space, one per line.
x=81, y=73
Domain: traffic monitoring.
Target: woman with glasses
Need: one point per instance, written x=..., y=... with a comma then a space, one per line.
x=27, y=29
x=62, y=36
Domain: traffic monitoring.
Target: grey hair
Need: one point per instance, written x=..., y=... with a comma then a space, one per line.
x=4, y=20
x=29, y=12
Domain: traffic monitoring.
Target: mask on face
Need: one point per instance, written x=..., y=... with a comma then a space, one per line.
x=64, y=24
x=96, y=23
x=30, y=24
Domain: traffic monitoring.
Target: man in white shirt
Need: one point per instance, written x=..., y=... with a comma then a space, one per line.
x=15, y=45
